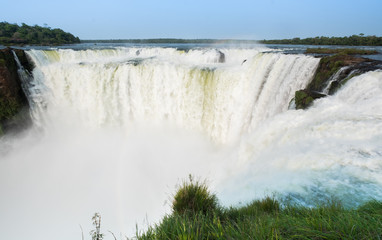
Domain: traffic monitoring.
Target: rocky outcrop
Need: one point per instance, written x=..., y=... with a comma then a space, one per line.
x=14, y=113
x=352, y=71
x=24, y=59
x=332, y=73
x=304, y=98
x=221, y=57
x=330, y=65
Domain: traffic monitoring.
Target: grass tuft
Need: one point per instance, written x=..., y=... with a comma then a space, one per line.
x=194, y=197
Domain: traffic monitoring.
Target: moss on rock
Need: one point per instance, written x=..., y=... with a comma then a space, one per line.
x=328, y=67
x=305, y=98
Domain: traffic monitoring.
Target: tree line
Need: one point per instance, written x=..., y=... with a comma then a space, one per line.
x=172, y=40
x=354, y=40
x=13, y=34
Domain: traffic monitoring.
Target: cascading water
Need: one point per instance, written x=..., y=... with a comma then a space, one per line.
x=191, y=90
x=121, y=127
x=331, y=150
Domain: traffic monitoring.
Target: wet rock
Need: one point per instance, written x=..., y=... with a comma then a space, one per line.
x=304, y=98
x=330, y=65
x=221, y=57
x=12, y=98
x=343, y=67
x=352, y=71
x=25, y=61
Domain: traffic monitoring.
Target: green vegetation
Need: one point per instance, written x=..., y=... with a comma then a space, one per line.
x=348, y=51
x=13, y=103
x=8, y=108
x=326, y=68
x=354, y=40
x=303, y=99
x=96, y=233
x=172, y=40
x=9, y=111
x=9, y=105
x=194, y=197
x=13, y=34
x=270, y=219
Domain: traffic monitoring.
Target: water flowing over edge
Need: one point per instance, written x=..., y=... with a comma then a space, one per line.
x=88, y=104
x=222, y=93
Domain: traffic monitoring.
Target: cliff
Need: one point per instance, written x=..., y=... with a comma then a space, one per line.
x=14, y=108
x=333, y=72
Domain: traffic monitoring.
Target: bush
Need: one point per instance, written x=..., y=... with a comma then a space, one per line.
x=194, y=197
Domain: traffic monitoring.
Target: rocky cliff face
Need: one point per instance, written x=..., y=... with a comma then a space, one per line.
x=14, y=113
x=332, y=73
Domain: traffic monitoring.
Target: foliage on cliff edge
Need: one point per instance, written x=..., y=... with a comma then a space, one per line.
x=13, y=34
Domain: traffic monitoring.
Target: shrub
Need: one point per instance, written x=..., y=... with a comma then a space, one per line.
x=194, y=197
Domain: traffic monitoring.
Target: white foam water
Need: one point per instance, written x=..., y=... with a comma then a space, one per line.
x=117, y=129
x=333, y=149
x=190, y=90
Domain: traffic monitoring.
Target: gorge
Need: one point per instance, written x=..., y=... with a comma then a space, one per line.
x=115, y=129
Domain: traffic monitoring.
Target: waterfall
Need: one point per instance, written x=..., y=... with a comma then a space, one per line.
x=330, y=150
x=25, y=77
x=192, y=90
x=119, y=128
x=32, y=89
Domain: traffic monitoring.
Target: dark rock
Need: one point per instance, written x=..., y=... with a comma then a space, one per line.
x=352, y=71
x=221, y=57
x=13, y=101
x=24, y=59
x=330, y=65
x=333, y=71
x=327, y=67
x=334, y=86
x=304, y=98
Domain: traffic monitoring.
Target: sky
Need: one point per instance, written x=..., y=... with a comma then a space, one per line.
x=191, y=19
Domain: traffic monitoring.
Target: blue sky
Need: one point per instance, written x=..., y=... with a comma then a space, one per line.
x=240, y=19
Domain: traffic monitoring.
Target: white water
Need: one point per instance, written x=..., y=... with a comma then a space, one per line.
x=331, y=150
x=117, y=131
x=189, y=90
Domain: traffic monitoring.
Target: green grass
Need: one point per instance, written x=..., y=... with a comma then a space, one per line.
x=194, y=197
x=270, y=219
x=348, y=51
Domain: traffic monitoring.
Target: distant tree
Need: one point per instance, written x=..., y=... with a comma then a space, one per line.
x=25, y=34
x=354, y=40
